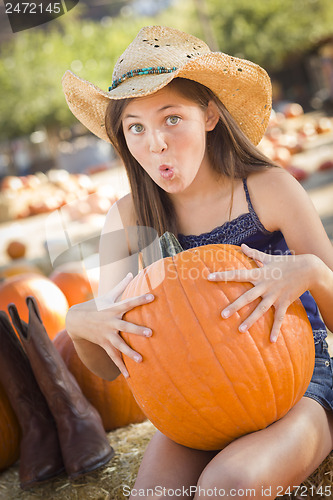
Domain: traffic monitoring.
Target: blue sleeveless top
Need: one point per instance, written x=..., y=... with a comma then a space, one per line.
x=248, y=229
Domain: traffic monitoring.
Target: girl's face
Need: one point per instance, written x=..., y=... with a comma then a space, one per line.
x=166, y=134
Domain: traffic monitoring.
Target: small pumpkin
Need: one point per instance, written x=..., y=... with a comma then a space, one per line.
x=52, y=303
x=10, y=433
x=113, y=400
x=201, y=382
x=16, y=249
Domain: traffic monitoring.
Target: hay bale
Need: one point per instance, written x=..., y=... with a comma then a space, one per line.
x=107, y=483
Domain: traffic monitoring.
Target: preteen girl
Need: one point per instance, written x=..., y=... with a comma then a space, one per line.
x=186, y=122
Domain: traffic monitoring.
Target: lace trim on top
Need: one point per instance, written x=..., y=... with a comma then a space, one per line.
x=233, y=232
x=319, y=335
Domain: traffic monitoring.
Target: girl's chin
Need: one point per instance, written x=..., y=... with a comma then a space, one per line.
x=172, y=187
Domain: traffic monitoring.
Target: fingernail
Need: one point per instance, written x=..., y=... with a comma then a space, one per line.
x=147, y=332
x=137, y=358
x=225, y=313
x=242, y=328
x=211, y=276
x=273, y=339
x=129, y=275
x=149, y=296
x=126, y=374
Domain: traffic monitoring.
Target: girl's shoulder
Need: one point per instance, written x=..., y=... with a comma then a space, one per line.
x=275, y=194
x=270, y=177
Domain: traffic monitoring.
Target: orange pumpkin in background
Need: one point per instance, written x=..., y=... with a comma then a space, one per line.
x=113, y=400
x=10, y=433
x=18, y=267
x=201, y=382
x=74, y=285
x=52, y=303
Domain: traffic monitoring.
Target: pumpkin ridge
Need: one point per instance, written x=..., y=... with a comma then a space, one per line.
x=189, y=403
x=236, y=254
x=218, y=364
x=245, y=263
x=186, y=296
x=292, y=374
x=296, y=362
x=301, y=321
x=267, y=383
x=162, y=366
x=269, y=377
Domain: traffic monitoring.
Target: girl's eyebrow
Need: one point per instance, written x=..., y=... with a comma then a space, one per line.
x=159, y=110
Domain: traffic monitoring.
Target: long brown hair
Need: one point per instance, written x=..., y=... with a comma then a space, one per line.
x=230, y=153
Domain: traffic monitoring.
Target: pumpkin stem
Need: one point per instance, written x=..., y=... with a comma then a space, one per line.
x=169, y=245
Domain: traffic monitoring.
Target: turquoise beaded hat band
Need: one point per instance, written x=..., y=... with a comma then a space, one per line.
x=159, y=54
x=143, y=71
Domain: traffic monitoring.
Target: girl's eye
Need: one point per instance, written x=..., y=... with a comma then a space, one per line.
x=137, y=128
x=173, y=120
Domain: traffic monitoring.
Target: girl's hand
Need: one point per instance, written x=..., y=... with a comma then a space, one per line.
x=279, y=280
x=99, y=321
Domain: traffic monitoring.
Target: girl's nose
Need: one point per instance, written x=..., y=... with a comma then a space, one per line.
x=157, y=142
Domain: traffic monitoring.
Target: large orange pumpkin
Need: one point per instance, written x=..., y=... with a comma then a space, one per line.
x=201, y=382
x=113, y=400
x=51, y=301
x=10, y=433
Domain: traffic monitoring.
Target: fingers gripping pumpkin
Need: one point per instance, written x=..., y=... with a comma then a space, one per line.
x=201, y=382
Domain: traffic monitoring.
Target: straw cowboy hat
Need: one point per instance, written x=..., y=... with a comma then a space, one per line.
x=158, y=55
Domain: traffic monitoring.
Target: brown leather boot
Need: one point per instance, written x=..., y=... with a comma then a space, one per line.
x=40, y=455
x=83, y=441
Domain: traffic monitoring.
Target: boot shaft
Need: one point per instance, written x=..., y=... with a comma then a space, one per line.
x=40, y=455
x=83, y=441
x=18, y=378
x=56, y=382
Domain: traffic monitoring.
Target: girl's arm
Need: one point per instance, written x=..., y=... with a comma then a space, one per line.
x=290, y=209
x=282, y=204
x=94, y=325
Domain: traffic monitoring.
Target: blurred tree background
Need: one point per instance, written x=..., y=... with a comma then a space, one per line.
x=33, y=61
x=267, y=31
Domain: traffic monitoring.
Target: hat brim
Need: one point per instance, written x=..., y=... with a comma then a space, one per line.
x=242, y=86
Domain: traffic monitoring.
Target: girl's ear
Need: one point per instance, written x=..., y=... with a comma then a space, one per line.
x=212, y=116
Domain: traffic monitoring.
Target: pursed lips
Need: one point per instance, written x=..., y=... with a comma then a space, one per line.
x=166, y=171
x=165, y=167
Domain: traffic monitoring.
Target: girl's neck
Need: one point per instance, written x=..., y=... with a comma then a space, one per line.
x=207, y=186
x=204, y=204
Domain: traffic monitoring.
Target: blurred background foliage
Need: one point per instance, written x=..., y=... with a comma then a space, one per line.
x=267, y=31
x=32, y=62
